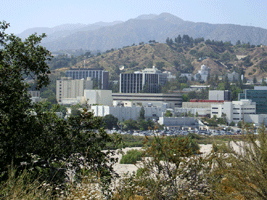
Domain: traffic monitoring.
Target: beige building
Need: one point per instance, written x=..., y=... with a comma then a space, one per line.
x=68, y=89
x=98, y=97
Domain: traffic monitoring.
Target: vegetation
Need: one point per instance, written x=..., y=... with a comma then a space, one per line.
x=32, y=137
x=131, y=157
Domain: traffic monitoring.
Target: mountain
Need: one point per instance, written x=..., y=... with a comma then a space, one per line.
x=64, y=30
x=149, y=27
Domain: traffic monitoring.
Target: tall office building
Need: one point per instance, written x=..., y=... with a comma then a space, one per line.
x=258, y=95
x=99, y=76
x=67, y=88
x=148, y=81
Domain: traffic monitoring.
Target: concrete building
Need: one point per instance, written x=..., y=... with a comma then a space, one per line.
x=99, y=76
x=67, y=89
x=149, y=81
x=224, y=95
x=99, y=97
x=258, y=95
x=178, y=122
x=256, y=119
x=150, y=99
x=126, y=113
x=234, y=111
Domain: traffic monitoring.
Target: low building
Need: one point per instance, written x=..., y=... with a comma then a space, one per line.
x=127, y=113
x=178, y=122
x=224, y=95
x=99, y=97
x=160, y=99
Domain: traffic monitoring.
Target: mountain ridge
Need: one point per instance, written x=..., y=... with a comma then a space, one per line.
x=149, y=27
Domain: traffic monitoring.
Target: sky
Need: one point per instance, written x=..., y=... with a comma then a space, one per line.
x=24, y=14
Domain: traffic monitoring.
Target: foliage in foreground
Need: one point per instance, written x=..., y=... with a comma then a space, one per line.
x=131, y=157
x=32, y=137
x=240, y=168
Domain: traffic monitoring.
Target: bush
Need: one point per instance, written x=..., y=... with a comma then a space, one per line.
x=131, y=157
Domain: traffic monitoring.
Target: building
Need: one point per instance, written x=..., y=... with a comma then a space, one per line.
x=234, y=111
x=148, y=80
x=126, y=113
x=224, y=95
x=203, y=73
x=178, y=122
x=233, y=77
x=67, y=89
x=150, y=99
x=98, y=97
x=99, y=76
x=258, y=95
x=202, y=107
x=189, y=76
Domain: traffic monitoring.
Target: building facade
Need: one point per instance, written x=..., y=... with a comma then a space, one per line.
x=234, y=111
x=145, y=99
x=99, y=97
x=100, y=77
x=127, y=113
x=224, y=95
x=148, y=80
x=67, y=89
x=258, y=95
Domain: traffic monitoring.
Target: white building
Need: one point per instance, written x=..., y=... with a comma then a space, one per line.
x=67, y=89
x=126, y=113
x=203, y=73
x=177, y=122
x=235, y=111
x=220, y=95
x=100, y=97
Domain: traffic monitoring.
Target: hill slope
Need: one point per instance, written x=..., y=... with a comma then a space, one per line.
x=179, y=58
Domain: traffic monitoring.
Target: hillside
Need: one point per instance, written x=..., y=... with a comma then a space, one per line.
x=179, y=58
x=103, y=36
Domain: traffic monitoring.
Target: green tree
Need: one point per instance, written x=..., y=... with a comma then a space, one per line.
x=142, y=113
x=110, y=121
x=31, y=136
x=168, y=113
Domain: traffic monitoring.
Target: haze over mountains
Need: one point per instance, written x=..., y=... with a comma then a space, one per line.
x=103, y=36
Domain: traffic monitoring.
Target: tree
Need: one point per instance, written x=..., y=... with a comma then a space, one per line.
x=142, y=113
x=31, y=136
x=110, y=121
x=168, y=113
x=254, y=79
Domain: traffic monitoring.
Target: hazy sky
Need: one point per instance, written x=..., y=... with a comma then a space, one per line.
x=24, y=14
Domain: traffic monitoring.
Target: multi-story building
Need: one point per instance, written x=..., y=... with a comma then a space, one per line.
x=67, y=89
x=234, y=111
x=148, y=81
x=158, y=99
x=258, y=95
x=224, y=95
x=99, y=76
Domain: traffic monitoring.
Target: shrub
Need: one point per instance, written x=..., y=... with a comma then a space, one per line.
x=131, y=157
